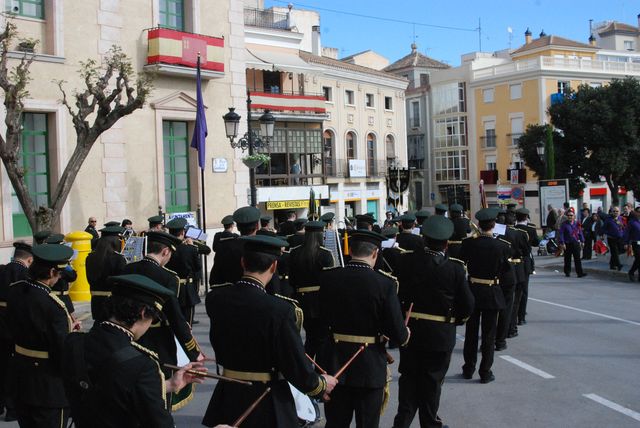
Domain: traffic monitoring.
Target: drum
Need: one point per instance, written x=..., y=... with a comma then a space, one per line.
x=307, y=410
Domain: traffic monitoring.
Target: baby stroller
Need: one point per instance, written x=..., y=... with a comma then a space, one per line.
x=548, y=244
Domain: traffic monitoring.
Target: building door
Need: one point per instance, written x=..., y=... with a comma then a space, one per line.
x=372, y=207
x=176, y=166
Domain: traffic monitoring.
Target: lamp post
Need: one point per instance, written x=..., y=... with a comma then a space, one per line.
x=540, y=150
x=250, y=140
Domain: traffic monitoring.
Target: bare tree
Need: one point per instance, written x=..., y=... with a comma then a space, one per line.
x=108, y=96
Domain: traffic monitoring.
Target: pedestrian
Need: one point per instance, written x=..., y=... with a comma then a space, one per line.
x=91, y=229
x=407, y=239
x=571, y=241
x=632, y=239
x=441, y=300
x=110, y=379
x=360, y=308
x=255, y=338
x=39, y=323
x=552, y=218
x=487, y=261
x=614, y=230
x=519, y=313
x=265, y=220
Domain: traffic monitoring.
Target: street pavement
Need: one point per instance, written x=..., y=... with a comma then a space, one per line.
x=575, y=364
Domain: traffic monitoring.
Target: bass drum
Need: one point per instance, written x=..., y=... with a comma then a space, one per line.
x=307, y=410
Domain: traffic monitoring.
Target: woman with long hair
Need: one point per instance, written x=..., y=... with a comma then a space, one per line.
x=103, y=262
x=307, y=261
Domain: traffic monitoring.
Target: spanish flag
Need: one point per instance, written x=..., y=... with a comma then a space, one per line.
x=167, y=46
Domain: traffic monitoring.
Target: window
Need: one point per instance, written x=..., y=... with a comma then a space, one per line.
x=327, y=142
x=348, y=97
x=487, y=95
x=30, y=8
x=516, y=162
x=450, y=132
x=328, y=93
x=371, y=155
x=564, y=87
x=35, y=160
x=451, y=165
x=388, y=103
x=424, y=79
x=176, y=166
x=415, y=114
x=172, y=14
x=448, y=98
x=390, y=146
x=491, y=163
x=517, y=128
x=351, y=146
x=489, y=137
x=369, y=100
x=271, y=81
x=415, y=151
x=515, y=91
x=628, y=45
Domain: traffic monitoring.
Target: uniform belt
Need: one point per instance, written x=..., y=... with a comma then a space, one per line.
x=3, y=304
x=439, y=318
x=308, y=289
x=454, y=242
x=363, y=340
x=60, y=293
x=101, y=293
x=31, y=353
x=248, y=376
x=482, y=281
x=515, y=261
x=186, y=281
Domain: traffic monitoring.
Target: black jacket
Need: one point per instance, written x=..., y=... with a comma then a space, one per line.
x=300, y=276
x=98, y=270
x=187, y=264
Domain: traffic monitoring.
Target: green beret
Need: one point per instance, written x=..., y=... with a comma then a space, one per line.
x=115, y=223
x=300, y=221
x=156, y=219
x=437, y=227
x=176, y=223
x=456, y=208
x=140, y=288
x=112, y=231
x=56, y=238
x=53, y=254
x=246, y=215
x=422, y=214
x=266, y=218
x=522, y=211
x=327, y=217
x=263, y=244
x=510, y=207
x=314, y=226
x=227, y=220
x=408, y=218
x=441, y=208
x=389, y=232
x=23, y=246
x=367, y=236
x=487, y=214
x=41, y=235
x=164, y=238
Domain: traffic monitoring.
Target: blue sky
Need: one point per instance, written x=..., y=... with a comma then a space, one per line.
x=352, y=34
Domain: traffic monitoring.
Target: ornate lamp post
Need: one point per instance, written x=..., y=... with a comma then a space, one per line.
x=540, y=150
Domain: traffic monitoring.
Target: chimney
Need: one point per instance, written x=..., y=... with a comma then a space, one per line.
x=414, y=48
x=592, y=40
x=543, y=34
x=316, y=46
x=527, y=37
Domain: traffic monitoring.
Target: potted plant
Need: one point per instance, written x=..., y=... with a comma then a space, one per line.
x=27, y=45
x=255, y=160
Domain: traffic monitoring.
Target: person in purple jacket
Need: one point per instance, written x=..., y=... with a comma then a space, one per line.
x=571, y=241
x=632, y=238
x=614, y=229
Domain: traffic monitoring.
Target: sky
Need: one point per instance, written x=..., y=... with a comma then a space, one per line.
x=402, y=20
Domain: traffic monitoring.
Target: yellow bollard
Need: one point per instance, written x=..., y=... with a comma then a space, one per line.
x=79, y=289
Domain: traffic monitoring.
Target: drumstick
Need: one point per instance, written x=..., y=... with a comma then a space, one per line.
x=208, y=375
x=251, y=408
x=406, y=320
x=348, y=363
x=323, y=371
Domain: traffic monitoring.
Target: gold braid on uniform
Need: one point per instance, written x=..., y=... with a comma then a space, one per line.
x=299, y=313
x=155, y=358
x=388, y=275
x=322, y=385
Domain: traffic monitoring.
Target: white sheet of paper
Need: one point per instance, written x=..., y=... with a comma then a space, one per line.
x=500, y=229
x=389, y=243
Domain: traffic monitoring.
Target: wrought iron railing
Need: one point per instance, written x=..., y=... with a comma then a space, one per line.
x=266, y=19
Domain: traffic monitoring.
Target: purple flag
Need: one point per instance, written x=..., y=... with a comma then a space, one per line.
x=200, y=132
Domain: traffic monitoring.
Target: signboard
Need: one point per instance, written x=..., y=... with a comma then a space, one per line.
x=554, y=193
x=504, y=194
x=285, y=205
x=220, y=165
x=189, y=216
x=134, y=249
x=510, y=195
x=357, y=168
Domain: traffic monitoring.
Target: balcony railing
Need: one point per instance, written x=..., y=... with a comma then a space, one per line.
x=288, y=102
x=517, y=176
x=176, y=52
x=266, y=19
x=343, y=168
x=513, y=137
x=489, y=176
x=488, y=141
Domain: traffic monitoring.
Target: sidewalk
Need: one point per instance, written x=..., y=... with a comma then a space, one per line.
x=597, y=266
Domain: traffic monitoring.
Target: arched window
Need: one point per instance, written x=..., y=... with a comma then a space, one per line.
x=371, y=155
x=328, y=150
x=390, y=148
x=350, y=143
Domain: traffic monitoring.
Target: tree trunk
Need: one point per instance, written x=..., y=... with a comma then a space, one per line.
x=613, y=188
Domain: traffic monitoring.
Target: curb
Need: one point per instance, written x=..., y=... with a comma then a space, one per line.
x=610, y=274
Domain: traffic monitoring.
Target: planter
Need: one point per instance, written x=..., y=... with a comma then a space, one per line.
x=252, y=163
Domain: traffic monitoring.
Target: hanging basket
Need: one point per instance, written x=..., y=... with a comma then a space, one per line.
x=255, y=161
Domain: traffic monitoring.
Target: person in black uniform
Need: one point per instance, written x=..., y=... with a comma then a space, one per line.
x=441, y=300
x=255, y=338
x=101, y=263
x=287, y=227
x=461, y=229
x=327, y=219
x=364, y=222
x=359, y=307
x=61, y=288
x=520, y=302
x=39, y=323
x=519, y=241
x=91, y=229
x=422, y=216
x=227, y=233
x=297, y=238
x=264, y=226
x=110, y=379
x=16, y=270
x=406, y=239
x=307, y=262
x=441, y=209
x=487, y=260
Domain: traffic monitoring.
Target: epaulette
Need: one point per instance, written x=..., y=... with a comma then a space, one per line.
x=224, y=284
x=403, y=251
x=388, y=275
x=297, y=246
x=505, y=241
x=464, y=265
x=325, y=248
x=64, y=308
x=299, y=313
x=288, y=299
x=330, y=267
x=144, y=350
x=227, y=238
x=532, y=225
x=170, y=271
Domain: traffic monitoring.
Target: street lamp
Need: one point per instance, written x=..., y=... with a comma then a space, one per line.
x=540, y=150
x=250, y=140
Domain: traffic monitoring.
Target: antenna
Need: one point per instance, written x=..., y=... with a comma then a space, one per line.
x=479, y=35
x=510, y=31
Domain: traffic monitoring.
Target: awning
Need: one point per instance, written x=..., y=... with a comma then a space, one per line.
x=279, y=61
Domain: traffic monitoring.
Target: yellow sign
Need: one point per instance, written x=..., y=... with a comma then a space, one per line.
x=286, y=205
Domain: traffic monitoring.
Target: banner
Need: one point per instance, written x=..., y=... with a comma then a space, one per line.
x=189, y=216
x=134, y=249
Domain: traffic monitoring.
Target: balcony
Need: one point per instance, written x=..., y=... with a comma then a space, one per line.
x=175, y=53
x=355, y=168
x=266, y=19
x=517, y=176
x=489, y=176
x=280, y=101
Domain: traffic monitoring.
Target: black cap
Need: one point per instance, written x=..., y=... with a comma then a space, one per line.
x=264, y=244
x=300, y=221
x=389, y=232
x=112, y=231
x=115, y=223
x=266, y=218
x=422, y=214
x=327, y=217
x=367, y=236
x=176, y=223
x=437, y=227
x=22, y=246
x=365, y=218
x=227, y=220
x=155, y=220
x=456, y=208
x=408, y=218
x=441, y=208
x=140, y=288
x=487, y=214
x=314, y=226
x=53, y=254
x=164, y=238
x=511, y=207
x=246, y=215
x=41, y=235
x=522, y=211
x=56, y=238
